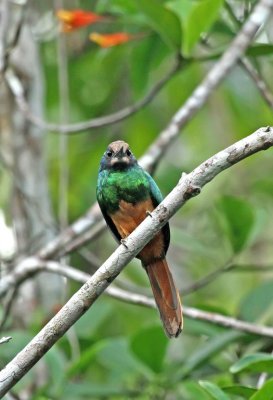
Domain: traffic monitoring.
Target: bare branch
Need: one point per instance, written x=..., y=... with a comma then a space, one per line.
x=188, y=186
x=18, y=92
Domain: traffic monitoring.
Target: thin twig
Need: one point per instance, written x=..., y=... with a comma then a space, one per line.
x=228, y=267
x=189, y=186
x=261, y=85
x=5, y=339
x=18, y=92
x=207, y=279
x=7, y=307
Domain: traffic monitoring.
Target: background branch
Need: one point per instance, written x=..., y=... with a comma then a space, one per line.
x=261, y=85
x=31, y=267
x=18, y=92
x=189, y=185
x=5, y=339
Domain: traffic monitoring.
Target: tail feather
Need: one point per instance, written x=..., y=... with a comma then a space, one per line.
x=166, y=296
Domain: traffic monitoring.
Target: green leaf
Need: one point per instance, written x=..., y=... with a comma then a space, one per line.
x=195, y=18
x=182, y=8
x=197, y=328
x=121, y=6
x=258, y=362
x=90, y=321
x=239, y=220
x=213, y=390
x=205, y=352
x=259, y=50
x=193, y=391
x=56, y=362
x=19, y=340
x=265, y=393
x=116, y=356
x=92, y=390
x=144, y=59
x=163, y=21
x=257, y=303
x=239, y=390
x=150, y=345
x=86, y=358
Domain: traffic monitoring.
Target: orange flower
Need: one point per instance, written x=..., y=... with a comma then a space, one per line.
x=76, y=19
x=112, y=39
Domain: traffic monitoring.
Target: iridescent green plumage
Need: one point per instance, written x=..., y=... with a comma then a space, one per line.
x=131, y=185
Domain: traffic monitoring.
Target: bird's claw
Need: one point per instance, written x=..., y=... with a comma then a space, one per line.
x=123, y=241
x=183, y=176
x=149, y=213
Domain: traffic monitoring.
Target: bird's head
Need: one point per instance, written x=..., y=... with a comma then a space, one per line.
x=118, y=156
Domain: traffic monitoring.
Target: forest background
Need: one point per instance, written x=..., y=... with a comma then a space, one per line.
x=67, y=90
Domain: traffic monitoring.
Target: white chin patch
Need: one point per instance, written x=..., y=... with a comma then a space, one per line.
x=122, y=160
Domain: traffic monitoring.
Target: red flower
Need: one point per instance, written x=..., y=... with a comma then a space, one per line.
x=76, y=19
x=112, y=39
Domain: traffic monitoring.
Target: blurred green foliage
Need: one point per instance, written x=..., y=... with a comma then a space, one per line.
x=119, y=351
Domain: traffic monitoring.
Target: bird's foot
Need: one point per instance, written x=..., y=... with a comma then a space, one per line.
x=123, y=241
x=183, y=176
x=149, y=213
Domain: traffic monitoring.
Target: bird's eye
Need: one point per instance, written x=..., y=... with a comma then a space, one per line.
x=128, y=153
x=109, y=153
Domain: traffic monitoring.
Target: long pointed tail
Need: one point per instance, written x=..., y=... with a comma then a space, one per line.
x=166, y=296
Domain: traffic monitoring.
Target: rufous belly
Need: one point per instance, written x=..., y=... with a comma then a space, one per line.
x=128, y=217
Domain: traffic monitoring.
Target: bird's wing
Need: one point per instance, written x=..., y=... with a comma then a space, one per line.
x=110, y=223
x=157, y=197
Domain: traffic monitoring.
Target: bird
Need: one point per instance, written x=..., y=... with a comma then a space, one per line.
x=126, y=194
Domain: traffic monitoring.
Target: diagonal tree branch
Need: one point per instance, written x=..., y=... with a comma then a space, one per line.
x=189, y=185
